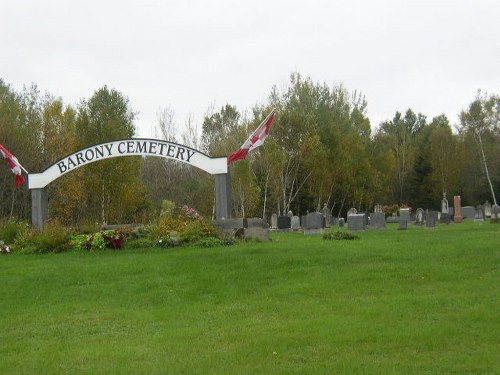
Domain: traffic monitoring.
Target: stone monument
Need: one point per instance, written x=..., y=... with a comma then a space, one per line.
x=457, y=203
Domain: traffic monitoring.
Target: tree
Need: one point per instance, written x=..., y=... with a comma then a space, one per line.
x=114, y=188
x=482, y=121
x=400, y=135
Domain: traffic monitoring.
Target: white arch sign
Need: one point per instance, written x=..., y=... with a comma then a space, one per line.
x=128, y=147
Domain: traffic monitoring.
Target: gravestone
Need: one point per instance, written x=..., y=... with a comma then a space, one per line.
x=404, y=214
x=356, y=222
x=378, y=208
x=479, y=213
x=377, y=220
x=457, y=203
x=274, y=221
x=284, y=222
x=256, y=233
x=444, y=205
x=468, y=212
x=255, y=222
x=495, y=214
x=229, y=225
x=352, y=211
x=314, y=223
x=295, y=223
x=403, y=224
x=392, y=219
x=487, y=209
x=419, y=217
x=432, y=218
x=341, y=222
x=366, y=217
x=327, y=216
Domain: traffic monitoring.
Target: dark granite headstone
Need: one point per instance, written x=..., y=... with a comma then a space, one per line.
x=284, y=222
x=341, y=222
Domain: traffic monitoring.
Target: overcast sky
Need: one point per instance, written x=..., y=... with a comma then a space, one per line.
x=189, y=55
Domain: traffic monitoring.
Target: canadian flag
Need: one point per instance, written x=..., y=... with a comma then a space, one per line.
x=255, y=140
x=14, y=165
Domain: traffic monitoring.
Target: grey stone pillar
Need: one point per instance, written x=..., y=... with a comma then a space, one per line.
x=222, y=196
x=39, y=207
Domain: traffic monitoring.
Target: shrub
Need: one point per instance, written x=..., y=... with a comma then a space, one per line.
x=114, y=239
x=340, y=236
x=187, y=226
x=52, y=238
x=9, y=230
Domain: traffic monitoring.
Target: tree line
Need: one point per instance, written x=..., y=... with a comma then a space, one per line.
x=321, y=150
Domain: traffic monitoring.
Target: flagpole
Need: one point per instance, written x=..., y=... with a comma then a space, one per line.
x=25, y=171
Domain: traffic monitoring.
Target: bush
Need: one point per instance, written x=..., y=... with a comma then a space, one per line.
x=53, y=238
x=340, y=236
x=112, y=239
x=10, y=229
x=187, y=226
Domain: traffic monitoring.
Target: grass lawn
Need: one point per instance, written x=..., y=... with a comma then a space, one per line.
x=421, y=301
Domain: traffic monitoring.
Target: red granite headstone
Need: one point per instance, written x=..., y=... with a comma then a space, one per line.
x=458, y=209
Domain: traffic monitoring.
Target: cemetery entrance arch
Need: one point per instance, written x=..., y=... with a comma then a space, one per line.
x=37, y=182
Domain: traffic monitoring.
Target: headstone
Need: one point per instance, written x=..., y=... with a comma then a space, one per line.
x=256, y=233
x=229, y=225
x=487, y=209
x=352, y=211
x=284, y=222
x=314, y=223
x=255, y=222
x=495, y=214
x=404, y=214
x=419, y=217
x=457, y=203
x=392, y=219
x=377, y=220
x=444, y=205
x=366, y=217
x=295, y=223
x=378, y=208
x=403, y=224
x=274, y=221
x=479, y=213
x=356, y=222
x=468, y=212
x=335, y=221
x=327, y=216
x=432, y=218
x=341, y=222
x=290, y=214
x=444, y=218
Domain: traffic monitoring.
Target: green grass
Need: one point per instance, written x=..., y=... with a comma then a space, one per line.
x=419, y=301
